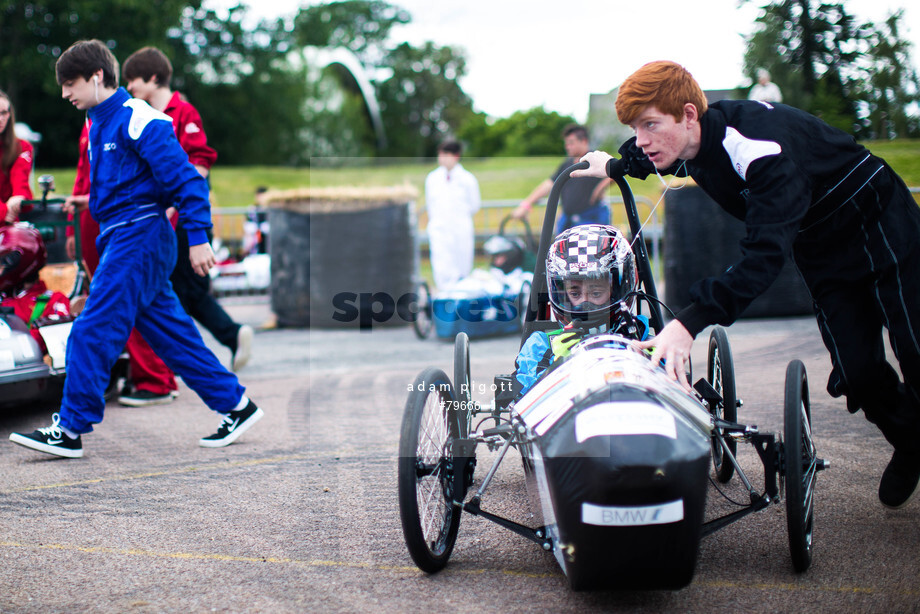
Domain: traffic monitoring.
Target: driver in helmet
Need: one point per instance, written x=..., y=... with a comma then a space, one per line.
x=505, y=254
x=592, y=279
x=22, y=256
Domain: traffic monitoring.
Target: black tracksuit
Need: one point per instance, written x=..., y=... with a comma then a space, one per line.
x=853, y=229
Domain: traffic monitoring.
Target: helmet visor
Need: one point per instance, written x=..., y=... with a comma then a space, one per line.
x=577, y=295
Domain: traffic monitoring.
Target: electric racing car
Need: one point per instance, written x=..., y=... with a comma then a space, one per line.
x=617, y=456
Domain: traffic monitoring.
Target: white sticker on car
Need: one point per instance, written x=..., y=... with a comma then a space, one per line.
x=632, y=516
x=625, y=418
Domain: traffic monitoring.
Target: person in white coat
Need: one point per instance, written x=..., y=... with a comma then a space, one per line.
x=451, y=197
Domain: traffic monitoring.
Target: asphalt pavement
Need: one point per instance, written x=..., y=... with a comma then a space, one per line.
x=301, y=514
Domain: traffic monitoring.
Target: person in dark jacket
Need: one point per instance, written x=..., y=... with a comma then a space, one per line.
x=582, y=199
x=807, y=190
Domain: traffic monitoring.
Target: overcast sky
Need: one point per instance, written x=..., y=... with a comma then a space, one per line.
x=520, y=55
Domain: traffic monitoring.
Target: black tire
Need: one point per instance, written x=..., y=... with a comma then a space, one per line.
x=426, y=471
x=424, y=319
x=800, y=464
x=463, y=382
x=523, y=302
x=720, y=372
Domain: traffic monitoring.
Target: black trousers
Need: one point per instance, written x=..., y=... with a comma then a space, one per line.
x=862, y=266
x=194, y=292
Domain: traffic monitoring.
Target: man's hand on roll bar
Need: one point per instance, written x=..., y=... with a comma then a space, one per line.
x=597, y=161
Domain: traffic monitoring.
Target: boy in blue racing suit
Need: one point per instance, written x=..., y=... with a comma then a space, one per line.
x=137, y=169
x=592, y=279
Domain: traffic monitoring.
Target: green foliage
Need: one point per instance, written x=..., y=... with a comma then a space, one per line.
x=421, y=102
x=855, y=76
x=361, y=26
x=34, y=34
x=535, y=132
x=889, y=83
x=480, y=136
x=248, y=95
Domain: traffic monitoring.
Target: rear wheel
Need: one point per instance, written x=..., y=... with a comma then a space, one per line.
x=720, y=372
x=426, y=471
x=801, y=466
x=423, y=318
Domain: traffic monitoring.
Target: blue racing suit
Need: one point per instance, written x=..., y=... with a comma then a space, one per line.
x=542, y=349
x=138, y=169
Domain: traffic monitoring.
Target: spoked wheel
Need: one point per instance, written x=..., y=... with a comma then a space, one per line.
x=424, y=319
x=426, y=471
x=801, y=466
x=720, y=373
x=523, y=302
x=463, y=382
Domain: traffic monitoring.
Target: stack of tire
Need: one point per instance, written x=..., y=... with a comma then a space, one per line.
x=702, y=240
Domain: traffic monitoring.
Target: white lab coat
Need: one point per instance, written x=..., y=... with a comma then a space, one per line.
x=451, y=199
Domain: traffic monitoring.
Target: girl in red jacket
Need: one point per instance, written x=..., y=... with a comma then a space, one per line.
x=15, y=164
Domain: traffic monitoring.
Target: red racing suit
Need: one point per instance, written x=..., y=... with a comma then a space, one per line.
x=23, y=304
x=15, y=180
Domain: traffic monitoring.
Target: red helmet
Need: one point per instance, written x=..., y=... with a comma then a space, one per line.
x=22, y=254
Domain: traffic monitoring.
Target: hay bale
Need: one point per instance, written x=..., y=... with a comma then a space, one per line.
x=331, y=246
x=342, y=199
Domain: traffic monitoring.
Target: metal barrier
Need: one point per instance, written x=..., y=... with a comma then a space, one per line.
x=228, y=222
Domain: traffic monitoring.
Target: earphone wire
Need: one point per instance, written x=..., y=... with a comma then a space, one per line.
x=667, y=186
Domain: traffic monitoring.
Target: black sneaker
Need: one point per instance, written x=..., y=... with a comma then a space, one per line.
x=900, y=480
x=51, y=440
x=145, y=398
x=234, y=424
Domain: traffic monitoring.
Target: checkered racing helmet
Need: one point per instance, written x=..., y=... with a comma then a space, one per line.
x=578, y=259
x=22, y=255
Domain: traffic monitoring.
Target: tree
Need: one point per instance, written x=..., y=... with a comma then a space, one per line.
x=482, y=137
x=361, y=26
x=33, y=35
x=535, y=132
x=249, y=95
x=889, y=84
x=807, y=50
x=421, y=102
x=848, y=73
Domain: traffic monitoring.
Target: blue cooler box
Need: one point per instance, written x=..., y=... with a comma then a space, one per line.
x=484, y=304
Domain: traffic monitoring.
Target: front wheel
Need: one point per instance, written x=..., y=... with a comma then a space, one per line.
x=801, y=466
x=720, y=372
x=463, y=382
x=424, y=320
x=426, y=471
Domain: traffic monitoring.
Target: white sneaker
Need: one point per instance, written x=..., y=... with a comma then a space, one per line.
x=243, y=347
